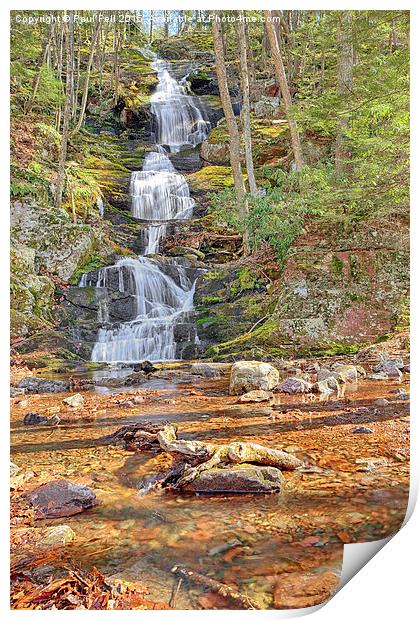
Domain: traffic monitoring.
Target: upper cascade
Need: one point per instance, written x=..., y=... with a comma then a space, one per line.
x=179, y=120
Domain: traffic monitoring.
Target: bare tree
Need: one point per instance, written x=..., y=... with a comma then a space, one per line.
x=95, y=35
x=345, y=83
x=284, y=89
x=37, y=78
x=235, y=143
x=67, y=110
x=245, y=114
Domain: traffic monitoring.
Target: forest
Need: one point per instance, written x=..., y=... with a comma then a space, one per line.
x=209, y=303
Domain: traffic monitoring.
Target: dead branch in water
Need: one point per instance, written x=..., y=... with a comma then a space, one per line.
x=217, y=587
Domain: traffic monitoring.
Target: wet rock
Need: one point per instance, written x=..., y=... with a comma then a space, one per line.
x=387, y=364
x=361, y=371
x=38, y=385
x=345, y=373
x=74, y=401
x=294, y=385
x=206, y=370
x=14, y=391
x=14, y=469
x=323, y=373
x=328, y=385
x=362, y=430
x=381, y=402
x=403, y=396
x=56, y=536
x=61, y=498
x=247, y=376
x=394, y=373
x=32, y=418
x=297, y=590
x=406, y=368
x=239, y=479
x=378, y=376
x=255, y=396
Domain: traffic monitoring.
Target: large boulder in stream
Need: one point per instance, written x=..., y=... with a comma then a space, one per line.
x=247, y=376
x=61, y=498
x=238, y=479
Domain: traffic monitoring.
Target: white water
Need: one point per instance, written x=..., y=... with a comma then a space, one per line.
x=179, y=120
x=158, y=195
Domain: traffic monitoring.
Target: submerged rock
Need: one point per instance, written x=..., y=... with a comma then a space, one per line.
x=74, y=401
x=56, y=536
x=206, y=370
x=39, y=385
x=61, y=498
x=294, y=385
x=247, y=376
x=256, y=396
x=238, y=479
x=297, y=590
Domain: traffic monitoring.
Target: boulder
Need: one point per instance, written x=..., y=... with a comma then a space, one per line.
x=267, y=107
x=255, y=396
x=394, y=373
x=238, y=479
x=378, y=376
x=61, y=498
x=206, y=370
x=247, y=376
x=361, y=371
x=294, y=385
x=345, y=373
x=215, y=152
x=74, y=401
x=326, y=386
x=324, y=373
x=38, y=385
x=32, y=419
x=387, y=364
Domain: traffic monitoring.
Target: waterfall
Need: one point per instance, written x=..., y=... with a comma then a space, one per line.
x=179, y=120
x=162, y=292
x=159, y=194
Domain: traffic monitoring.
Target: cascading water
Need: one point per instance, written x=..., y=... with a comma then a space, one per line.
x=162, y=294
x=179, y=120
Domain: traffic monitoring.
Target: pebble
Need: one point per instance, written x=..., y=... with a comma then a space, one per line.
x=362, y=430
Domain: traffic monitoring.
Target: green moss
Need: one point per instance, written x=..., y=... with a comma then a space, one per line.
x=91, y=263
x=211, y=299
x=336, y=265
x=211, y=178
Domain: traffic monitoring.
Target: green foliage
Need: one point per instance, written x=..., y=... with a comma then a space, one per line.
x=276, y=218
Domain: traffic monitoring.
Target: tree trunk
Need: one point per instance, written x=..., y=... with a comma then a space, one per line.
x=166, y=24
x=345, y=83
x=285, y=92
x=86, y=85
x=246, y=120
x=37, y=78
x=151, y=27
x=235, y=145
x=67, y=110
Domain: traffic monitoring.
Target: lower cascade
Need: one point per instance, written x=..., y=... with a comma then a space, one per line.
x=159, y=291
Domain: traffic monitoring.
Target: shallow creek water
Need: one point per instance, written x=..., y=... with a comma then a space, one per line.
x=244, y=541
